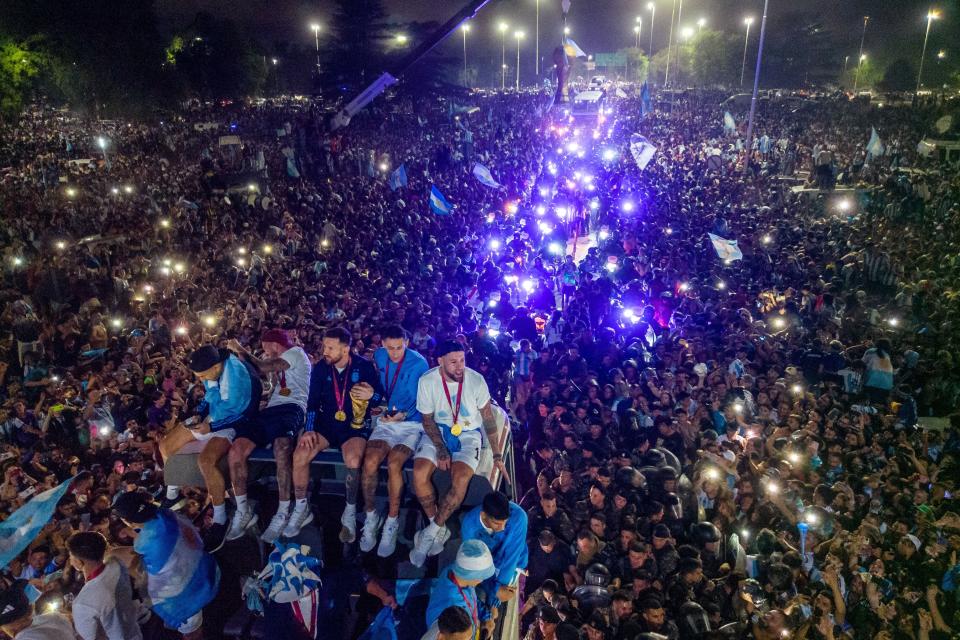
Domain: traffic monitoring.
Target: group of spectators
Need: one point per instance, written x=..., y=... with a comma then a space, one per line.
x=763, y=445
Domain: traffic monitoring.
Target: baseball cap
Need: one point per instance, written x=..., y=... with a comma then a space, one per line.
x=278, y=336
x=135, y=506
x=206, y=357
x=661, y=531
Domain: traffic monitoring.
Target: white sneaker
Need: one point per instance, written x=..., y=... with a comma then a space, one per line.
x=371, y=527
x=348, y=532
x=276, y=527
x=437, y=547
x=422, y=545
x=242, y=520
x=298, y=520
x=388, y=541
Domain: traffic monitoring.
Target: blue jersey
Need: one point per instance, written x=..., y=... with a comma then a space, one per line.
x=403, y=395
x=508, y=547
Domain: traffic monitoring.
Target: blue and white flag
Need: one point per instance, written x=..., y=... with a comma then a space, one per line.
x=21, y=528
x=398, y=178
x=875, y=146
x=484, y=176
x=439, y=204
x=642, y=150
x=182, y=578
x=645, y=99
x=726, y=249
x=572, y=49
x=729, y=124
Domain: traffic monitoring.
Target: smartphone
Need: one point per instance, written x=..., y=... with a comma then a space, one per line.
x=51, y=577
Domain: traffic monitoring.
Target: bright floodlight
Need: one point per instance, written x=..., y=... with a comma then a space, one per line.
x=519, y=35
x=687, y=32
x=748, y=21
x=503, y=26
x=495, y=244
x=555, y=248
x=650, y=6
x=702, y=22
x=636, y=29
x=566, y=31
x=314, y=27
x=465, y=27
x=933, y=14
x=627, y=206
x=609, y=154
x=401, y=38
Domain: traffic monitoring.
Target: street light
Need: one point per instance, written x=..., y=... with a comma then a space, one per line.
x=519, y=36
x=932, y=15
x=743, y=67
x=502, y=27
x=464, y=28
x=316, y=37
x=566, y=31
x=401, y=38
x=653, y=12
x=941, y=54
x=686, y=33
x=701, y=23
x=636, y=31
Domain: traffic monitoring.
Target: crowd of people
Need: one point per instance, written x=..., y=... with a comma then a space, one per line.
x=761, y=447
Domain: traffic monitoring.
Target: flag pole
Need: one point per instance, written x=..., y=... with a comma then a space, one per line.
x=756, y=84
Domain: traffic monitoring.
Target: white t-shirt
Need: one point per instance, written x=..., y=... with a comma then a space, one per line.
x=431, y=398
x=104, y=609
x=297, y=378
x=49, y=626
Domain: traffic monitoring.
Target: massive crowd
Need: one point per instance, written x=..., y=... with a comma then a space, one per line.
x=700, y=444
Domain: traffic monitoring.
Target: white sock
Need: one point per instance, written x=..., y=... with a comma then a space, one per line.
x=301, y=504
x=283, y=506
x=371, y=514
x=392, y=519
x=173, y=492
x=220, y=514
x=350, y=508
x=241, y=503
x=432, y=528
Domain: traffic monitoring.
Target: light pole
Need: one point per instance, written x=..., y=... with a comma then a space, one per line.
x=746, y=40
x=863, y=35
x=519, y=36
x=666, y=73
x=636, y=31
x=316, y=37
x=464, y=28
x=503, y=26
x=932, y=15
x=536, y=48
x=653, y=13
x=756, y=81
x=639, y=29
x=856, y=76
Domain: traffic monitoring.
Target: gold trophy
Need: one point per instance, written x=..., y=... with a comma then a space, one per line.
x=359, y=412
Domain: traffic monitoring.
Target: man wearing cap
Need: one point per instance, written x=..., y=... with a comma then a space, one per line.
x=546, y=626
x=454, y=402
x=17, y=619
x=457, y=586
x=340, y=384
x=181, y=577
x=502, y=526
x=277, y=424
x=394, y=437
x=232, y=399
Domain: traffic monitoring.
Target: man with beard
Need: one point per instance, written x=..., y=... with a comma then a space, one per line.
x=334, y=421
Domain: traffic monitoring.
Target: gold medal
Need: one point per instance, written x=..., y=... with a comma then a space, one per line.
x=456, y=430
x=285, y=391
x=341, y=416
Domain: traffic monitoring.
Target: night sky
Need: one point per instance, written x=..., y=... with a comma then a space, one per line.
x=896, y=27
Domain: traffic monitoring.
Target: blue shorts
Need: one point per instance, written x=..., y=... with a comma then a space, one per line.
x=279, y=421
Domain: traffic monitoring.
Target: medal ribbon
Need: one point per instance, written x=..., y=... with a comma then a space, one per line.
x=339, y=395
x=474, y=616
x=386, y=376
x=446, y=392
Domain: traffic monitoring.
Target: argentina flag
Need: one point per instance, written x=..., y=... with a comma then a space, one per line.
x=439, y=204
x=20, y=529
x=181, y=577
x=875, y=145
x=484, y=176
x=398, y=178
x=726, y=249
x=645, y=99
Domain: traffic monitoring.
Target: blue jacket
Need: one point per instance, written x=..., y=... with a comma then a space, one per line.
x=508, y=548
x=445, y=593
x=404, y=396
x=236, y=394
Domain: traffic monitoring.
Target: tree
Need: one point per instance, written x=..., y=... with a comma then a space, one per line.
x=900, y=75
x=714, y=58
x=361, y=36
x=19, y=65
x=638, y=65
x=870, y=75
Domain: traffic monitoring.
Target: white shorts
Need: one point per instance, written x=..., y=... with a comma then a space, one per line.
x=397, y=433
x=229, y=434
x=471, y=442
x=192, y=623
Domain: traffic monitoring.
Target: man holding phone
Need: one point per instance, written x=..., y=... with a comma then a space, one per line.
x=395, y=434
